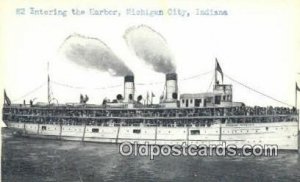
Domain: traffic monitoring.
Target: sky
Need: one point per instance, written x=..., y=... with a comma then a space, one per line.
x=257, y=44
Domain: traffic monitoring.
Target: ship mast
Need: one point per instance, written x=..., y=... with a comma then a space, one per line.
x=216, y=72
x=48, y=85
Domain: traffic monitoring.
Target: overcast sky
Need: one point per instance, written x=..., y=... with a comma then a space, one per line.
x=256, y=44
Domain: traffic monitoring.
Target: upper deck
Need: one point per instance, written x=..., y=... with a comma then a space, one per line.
x=153, y=113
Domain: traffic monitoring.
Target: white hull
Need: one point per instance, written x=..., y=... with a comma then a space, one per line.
x=282, y=134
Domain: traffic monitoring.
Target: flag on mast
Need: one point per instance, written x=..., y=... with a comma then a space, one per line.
x=6, y=99
x=296, y=90
x=219, y=69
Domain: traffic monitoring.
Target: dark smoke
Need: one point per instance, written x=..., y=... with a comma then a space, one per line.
x=150, y=46
x=93, y=53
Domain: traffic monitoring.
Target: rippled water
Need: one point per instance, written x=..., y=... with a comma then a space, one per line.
x=25, y=159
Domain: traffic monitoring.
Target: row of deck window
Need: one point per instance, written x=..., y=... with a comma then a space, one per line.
x=192, y=132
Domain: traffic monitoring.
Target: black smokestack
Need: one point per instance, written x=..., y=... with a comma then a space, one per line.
x=129, y=78
x=150, y=46
x=129, y=88
x=171, y=76
x=93, y=53
x=171, y=86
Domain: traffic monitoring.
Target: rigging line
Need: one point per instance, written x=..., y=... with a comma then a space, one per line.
x=32, y=91
x=195, y=76
x=183, y=79
x=153, y=83
x=213, y=77
x=76, y=87
x=114, y=86
x=270, y=97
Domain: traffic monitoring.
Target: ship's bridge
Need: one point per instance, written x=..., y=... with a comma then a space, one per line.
x=221, y=96
x=223, y=93
x=197, y=100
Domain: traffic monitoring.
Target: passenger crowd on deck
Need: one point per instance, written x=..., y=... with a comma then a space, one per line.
x=147, y=116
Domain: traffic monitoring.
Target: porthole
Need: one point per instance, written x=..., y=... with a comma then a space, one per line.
x=95, y=130
x=195, y=132
x=136, y=131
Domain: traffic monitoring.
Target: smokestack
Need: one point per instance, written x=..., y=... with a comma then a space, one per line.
x=171, y=87
x=129, y=88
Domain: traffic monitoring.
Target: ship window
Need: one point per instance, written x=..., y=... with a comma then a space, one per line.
x=182, y=101
x=44, y=128
x=195, y=132
x=217, y=99
x=208, y=100
x=191, y=101
x=267, y=128
x=224, y=97
x=137, y=131
x=197, y=102
x=95, y=130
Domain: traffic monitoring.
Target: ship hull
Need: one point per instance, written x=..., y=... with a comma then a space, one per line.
x=282, y=134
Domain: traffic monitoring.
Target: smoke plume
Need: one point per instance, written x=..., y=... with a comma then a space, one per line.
x=150, y=46
x=93, y=53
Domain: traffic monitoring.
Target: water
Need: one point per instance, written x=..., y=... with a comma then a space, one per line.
x=25, y=159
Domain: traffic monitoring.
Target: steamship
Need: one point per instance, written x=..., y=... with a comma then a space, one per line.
x=201, y=119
